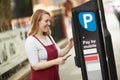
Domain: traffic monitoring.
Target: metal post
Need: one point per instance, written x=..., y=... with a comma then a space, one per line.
x=108, y=44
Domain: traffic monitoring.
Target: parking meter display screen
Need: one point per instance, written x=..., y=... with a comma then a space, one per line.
x=89, y=38
x=88, y=31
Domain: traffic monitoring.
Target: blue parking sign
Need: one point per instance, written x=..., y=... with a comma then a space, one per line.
x=87, y=21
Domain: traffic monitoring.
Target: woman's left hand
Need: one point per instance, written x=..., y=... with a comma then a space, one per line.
x=65, y=50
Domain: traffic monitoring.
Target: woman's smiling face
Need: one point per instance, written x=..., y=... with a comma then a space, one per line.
x=44, y=23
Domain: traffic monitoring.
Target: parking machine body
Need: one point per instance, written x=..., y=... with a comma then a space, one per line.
x=92, y=40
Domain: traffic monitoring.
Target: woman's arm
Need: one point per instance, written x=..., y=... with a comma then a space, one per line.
x=47, y=64
x=68, y=47
x=64, y=51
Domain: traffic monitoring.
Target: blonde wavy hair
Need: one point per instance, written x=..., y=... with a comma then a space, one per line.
x=36, y=17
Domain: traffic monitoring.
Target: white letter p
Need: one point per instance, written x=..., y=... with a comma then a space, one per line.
x=86, y=19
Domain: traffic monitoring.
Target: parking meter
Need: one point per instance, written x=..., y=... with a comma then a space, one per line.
x=92, y=41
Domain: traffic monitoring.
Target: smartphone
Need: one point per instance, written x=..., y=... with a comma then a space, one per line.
x=67, y=56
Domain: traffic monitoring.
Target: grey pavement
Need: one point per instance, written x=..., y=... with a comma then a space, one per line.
x=69, y=71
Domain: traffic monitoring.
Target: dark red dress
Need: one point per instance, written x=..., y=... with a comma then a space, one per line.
x=50, y=73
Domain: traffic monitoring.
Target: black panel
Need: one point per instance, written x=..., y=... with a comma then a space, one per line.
x=21, y=8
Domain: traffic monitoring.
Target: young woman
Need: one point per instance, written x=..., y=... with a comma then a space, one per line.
x=42, y=52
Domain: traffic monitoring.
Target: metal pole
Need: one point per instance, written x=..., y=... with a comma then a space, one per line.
x=108, y=44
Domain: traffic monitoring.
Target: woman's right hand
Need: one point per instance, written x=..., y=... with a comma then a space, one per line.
x=60, y=60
